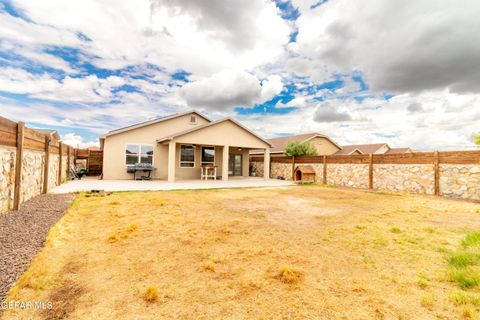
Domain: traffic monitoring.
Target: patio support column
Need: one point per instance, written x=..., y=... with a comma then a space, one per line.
x=266, y=164
x=225, y=163
x=171, y=161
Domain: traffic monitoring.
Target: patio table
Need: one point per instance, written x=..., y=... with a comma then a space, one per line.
x=208, y=171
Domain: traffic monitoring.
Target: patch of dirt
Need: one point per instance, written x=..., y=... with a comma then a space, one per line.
x=64, y=299
x=289, y=212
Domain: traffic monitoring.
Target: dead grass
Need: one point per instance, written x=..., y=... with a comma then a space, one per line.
x=290, y=275
x=301, y=252
x=151, y=294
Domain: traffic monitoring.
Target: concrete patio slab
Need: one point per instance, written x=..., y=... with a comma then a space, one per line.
x=88, y=183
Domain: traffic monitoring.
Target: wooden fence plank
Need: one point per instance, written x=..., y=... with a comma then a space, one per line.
x=18, y=166
x=8, y=125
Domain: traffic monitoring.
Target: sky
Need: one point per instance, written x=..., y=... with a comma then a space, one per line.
x=406, y=73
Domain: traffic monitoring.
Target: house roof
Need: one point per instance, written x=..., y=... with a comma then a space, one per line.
x=181, y=133
x=279, y=144
x=147, y=123
x=305, y=169
x=362, y=148
x=399, y=150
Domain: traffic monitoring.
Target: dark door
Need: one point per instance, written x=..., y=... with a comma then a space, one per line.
x=235, y=165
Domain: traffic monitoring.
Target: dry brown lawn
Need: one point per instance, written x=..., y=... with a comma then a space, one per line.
x=301, y=252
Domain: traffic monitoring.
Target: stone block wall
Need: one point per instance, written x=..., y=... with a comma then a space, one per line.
x=283, y=170
x=347, y=175
x=456, y=180
x=7, y=177
x=64, y=168
x=460, y=181
x=32, y=174
x=257, y=168
x=413, y=178
x=53, y=171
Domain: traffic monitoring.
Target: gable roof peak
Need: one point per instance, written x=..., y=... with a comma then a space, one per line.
x=153, y=121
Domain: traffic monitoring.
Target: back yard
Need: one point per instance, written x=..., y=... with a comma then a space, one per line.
x=295, y=252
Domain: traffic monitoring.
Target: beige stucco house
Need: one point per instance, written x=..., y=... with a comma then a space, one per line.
x=177, y=146
x=323, y=144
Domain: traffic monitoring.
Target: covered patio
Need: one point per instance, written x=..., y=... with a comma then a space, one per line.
x=92, y=183
x=222, y=145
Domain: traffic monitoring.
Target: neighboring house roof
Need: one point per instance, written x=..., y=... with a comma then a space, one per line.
x=181, y=133
x=147, y=123
x=362, y=148
x=399, y=150
x=52, y=133
x=348, y=151
x=279, y=144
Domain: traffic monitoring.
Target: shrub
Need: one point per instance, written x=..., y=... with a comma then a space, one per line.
x=461, y=298
x=290, y=275
x=150, y=294
x=465, y=278
x=395, y=230
x=471, y=240
x=209, y=266
x=297, y=148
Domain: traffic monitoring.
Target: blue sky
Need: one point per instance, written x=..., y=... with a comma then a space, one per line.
x=281, y=67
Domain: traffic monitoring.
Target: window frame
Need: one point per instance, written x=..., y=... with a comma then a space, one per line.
x=139, y=156
x=180, y=156
x=201, y=155
x=194, y=118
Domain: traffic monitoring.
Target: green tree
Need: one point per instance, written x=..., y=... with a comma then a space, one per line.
x=297, y=148
x=476, y=139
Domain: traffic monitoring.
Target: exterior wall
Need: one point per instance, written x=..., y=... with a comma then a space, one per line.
x=414, y=178
x=32, y=174
x=7, y=177
x=114, y=166
x=348, y=175
x=323, y=146
x=225, y=133
x=460, y=181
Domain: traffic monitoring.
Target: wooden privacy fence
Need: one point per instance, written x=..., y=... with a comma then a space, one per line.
x=21, y=139
x=94, y=159
x=436, y=159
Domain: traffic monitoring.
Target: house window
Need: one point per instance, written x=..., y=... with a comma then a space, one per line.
x=208, y=155
x=193, y=119
x=138, y=153
x=187, y=156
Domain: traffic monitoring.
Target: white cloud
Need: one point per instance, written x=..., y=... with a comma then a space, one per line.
x=328, y=113
x=77, y=141
x=230, y=88
x=406, y=46
x=200, y=36
x=446, y=122
x=43, y=86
